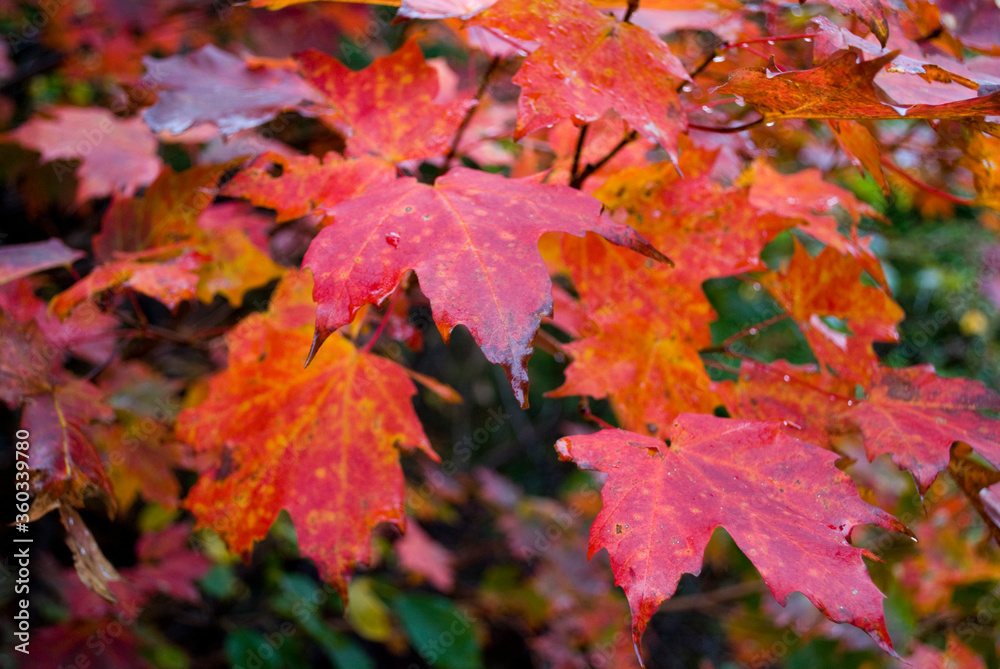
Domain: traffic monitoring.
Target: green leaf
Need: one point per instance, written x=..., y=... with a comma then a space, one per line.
x=442, y=633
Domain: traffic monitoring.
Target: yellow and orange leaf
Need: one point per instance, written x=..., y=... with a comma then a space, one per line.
x=321, y=443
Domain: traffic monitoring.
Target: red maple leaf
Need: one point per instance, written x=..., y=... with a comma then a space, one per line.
x=782, y=500
x=830, y=285
x=804, y=399
x=915, y=415
x=20, y=260
x=213, y=86
x=587, y=63
x=841, y=87
x=116, y=155
x=156, y=245
x=305, y=183
x=319, y=442
x=472, y=240
x=387, y=109
x=869, y=11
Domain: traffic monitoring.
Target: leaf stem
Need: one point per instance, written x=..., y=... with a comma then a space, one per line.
x=927, y=187
x=769, y=40
x=715, y=364
x=546, y=342
x=381, y=326
x=632, y=6
x=725, y=129
x=703, y=65
x=577, y=181
x=763, y=56
x=139, y=313
x=712, y=598
x=589, y=415
x=752, y=330
x=464, y=125
x=714, y=103
x=579, y=150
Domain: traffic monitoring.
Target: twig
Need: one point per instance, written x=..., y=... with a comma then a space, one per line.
x=135, y=307
x=632, y=6
x=725, y=129
x=752, y=330
x=149, y=331
x=715, y=364
x=709, y=58
x=381, y=326
x=589, y=415
x=579, y=150
x=770, y=39
x=97, y=369
x=577, y=181
x=714, y=103
x=464, y=125
x=763, y=56
x=551, y=345
x=711, y=599
x=927, y=187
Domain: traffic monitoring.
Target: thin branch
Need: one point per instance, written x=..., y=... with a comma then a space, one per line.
x=381, y=326
x=577, y=181
x=715, y=364
x=546, y=342
x=724, y=350
x=97, y=369
x=752, y=330
x=579, y=150
x=632, y=6
x=149, y=331
x=138, y=309
x=709, y=105
x=589, y=415
x=712, y=598
x=453, y=149
x=770, y=40
x=725, y=129
x=763, y=56
x=927, y=187
x=703, y=65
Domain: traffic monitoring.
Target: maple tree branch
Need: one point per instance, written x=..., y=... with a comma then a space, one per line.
x=726, y=350
x=632, y=6
x=752, y=330
x=576, y=154
x=925, y=186
x=381, y=326
x=591, y=416
x=714, y=103
x=551, y=345
x=139, y=313
x=464, y=125
x=712, y=598
x=725, y=129
x=149, y=331
x=703, y=65
x=100, y=367
x=771, y=39
x=763, y=56
x=577, y=181
x=715, y=364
